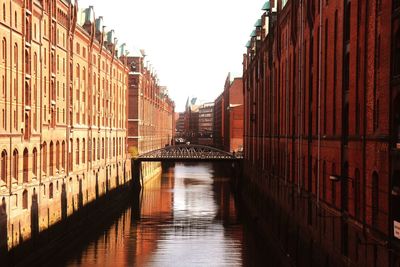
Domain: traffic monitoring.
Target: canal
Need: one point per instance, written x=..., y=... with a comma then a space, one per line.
x=188, y=216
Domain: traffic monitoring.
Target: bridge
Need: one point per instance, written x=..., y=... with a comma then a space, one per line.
x=188, y=153
x=183, y=153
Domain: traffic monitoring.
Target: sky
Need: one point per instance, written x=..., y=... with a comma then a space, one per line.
x=192, y=45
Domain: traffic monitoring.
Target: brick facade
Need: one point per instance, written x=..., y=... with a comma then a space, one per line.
x=320, y=84
x=62, y=114
x=151, y=115
x=228, y=116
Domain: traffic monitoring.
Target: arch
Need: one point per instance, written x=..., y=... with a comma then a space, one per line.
x=26, y=166
x=25, y=200
x=34, y=161
x=44, y=157
x=4, y=166
x=375, y=199
x=15, y=164
x=51, y=158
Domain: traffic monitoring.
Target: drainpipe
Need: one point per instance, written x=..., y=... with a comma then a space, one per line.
x=300, y=184
x=319, y=100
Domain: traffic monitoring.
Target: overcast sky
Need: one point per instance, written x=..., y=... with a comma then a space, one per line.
x=192, y=45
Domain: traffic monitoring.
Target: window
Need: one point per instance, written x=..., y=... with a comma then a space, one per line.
x=51, y=158
x=4, y=166
x=77, y=152
x=44, y=158
x=15, y=165
x=94, y=149
x=375, y=199
x=4, y=50
x=26, y=166
x=4, y=11
x=34, y=161
x=357, y=194
x=51, y=189
x=15, y=19
x=58, y=156
x=63, y=154
x=25, y=200
x=396, y=58
x=83, y=151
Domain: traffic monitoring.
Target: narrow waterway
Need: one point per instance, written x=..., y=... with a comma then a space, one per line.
x=186, y=217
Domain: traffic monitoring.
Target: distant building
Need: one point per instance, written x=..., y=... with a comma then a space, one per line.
x=206, y=123
x=192, y=119
x=180, y=123
x=228, y=116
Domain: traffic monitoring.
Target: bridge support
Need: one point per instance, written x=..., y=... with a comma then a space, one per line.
x=136, y=166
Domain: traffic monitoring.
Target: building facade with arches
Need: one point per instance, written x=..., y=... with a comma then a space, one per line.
x=63, y=104
x=322, y=123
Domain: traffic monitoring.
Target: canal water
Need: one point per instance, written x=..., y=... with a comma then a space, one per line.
x=186, y=217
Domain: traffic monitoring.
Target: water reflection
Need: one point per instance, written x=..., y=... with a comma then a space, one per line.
x=187, y=217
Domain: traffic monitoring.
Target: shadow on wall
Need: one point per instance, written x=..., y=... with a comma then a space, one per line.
x=3, y=228
x=64, y=207
x=34, y=215
x=80, y=195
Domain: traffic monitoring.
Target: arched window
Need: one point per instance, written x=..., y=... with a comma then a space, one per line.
x=26, y=166
x=4, y=49
x=78, y=72
x=94, y=149
x=70, y=159
x=44, y=158
x=58, y=152
x=34, y=162
x=4, y=166
x=83, y=151
x=375, y=199
x=357, y=194
x=15, y=165
x=16, y=55
x=102, y=148
x=77, y=152
x=25, y=200
x=63, y=154
x=51, y=158
x=98, y=149
x=51, y=191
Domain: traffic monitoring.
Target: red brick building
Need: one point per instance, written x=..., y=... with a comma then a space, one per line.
x=321, y=84
x=151, y=115
x=228, y=116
